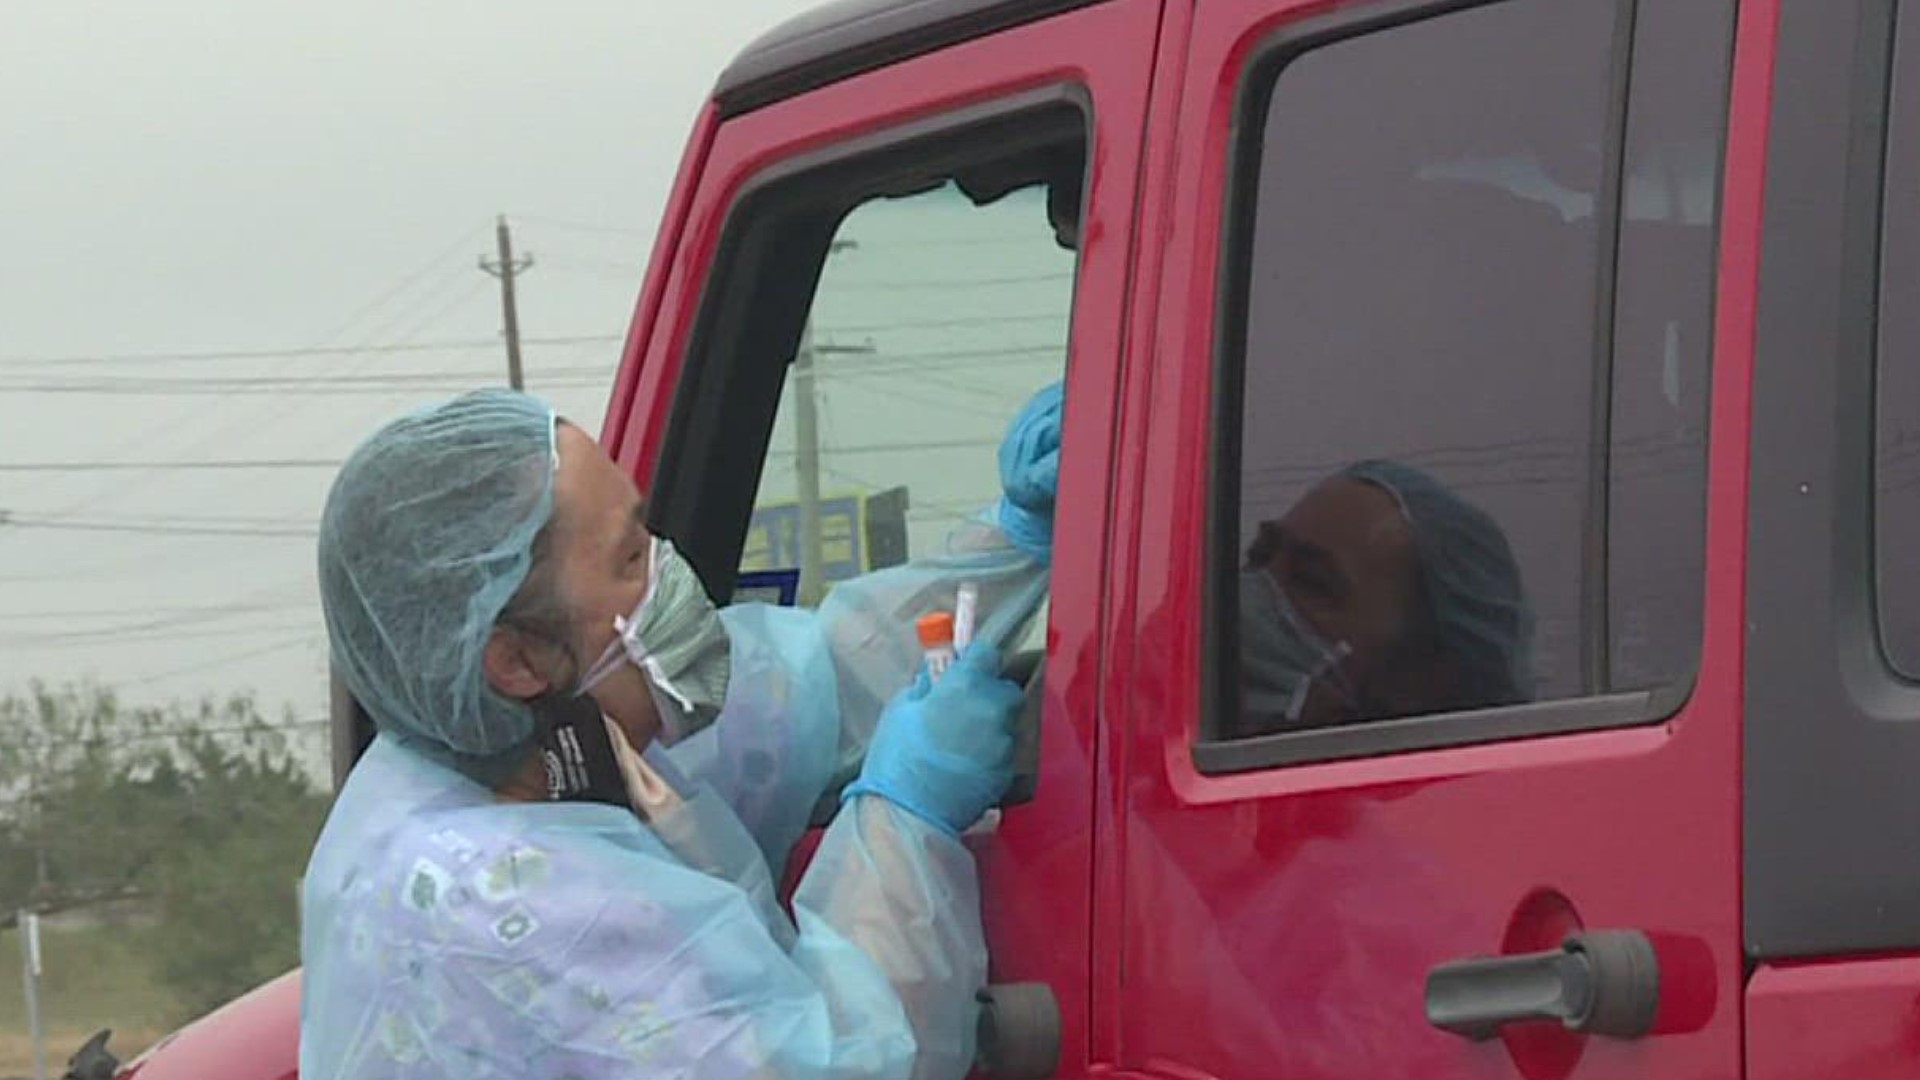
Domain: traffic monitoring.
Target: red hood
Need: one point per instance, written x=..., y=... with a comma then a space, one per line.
x=255, y=1037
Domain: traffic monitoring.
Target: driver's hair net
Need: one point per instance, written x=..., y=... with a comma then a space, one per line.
x=426, y=535
x=1471, y=579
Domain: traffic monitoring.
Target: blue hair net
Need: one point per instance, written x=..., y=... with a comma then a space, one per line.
x=1472, y=581
x=426, y=535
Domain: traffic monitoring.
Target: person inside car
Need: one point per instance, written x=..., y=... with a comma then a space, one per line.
x=1380, y=594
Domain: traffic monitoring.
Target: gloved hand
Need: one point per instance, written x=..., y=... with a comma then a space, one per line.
x=944, y=750
x=1030, y=473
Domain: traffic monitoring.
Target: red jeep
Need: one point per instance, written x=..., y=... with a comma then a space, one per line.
x=1636, y=280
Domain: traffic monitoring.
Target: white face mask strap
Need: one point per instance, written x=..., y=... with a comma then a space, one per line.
x=665, y=685
x=609, y=662
x=657, y=549
x=1330, y=659
x=1332, y=655
x=624, y=648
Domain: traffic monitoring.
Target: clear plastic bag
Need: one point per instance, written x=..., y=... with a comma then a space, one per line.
x=868, y=622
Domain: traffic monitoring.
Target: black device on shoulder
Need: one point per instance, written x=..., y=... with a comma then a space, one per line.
x=577, y=751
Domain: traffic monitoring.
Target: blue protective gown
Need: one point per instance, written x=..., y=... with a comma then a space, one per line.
x=450, y=934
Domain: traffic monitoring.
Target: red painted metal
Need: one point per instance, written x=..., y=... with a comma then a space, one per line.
x=1037, y=867
x=1851, y=1020
x=256, y=1037
x=620, y=403
x=1282, y=922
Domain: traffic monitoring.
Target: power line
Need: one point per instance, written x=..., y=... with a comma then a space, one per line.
x=940, y=324
x=1022, y=239
x=419, y=380
x=334, y=463
x=268, y=726
x=236, y=729
x=147, y=624
x=158, y=529
x=301, y=395
x=582, y=226
x=123, y=566
x=197, y=519
x=425, y=310
x=174, y=418
x=94, y=639
x=149, y=621
x=122, y=612
x=917, y=363
x=400, y=287
x=948, y=283
x=218, y=356
x=248, y=654
x=275, y=412
x=935, y=398
x=897, y=447
x=580, y=262
x=167, y=466
x=573, y=376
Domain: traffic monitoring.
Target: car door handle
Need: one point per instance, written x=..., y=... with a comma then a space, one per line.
x=1019, y=1032
x=1603, y=982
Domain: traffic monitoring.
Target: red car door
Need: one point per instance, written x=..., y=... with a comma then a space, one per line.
x=1425, y=660
x=893, y=227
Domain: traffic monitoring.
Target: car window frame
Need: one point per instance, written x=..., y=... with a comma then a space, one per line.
x=703, y=485
x=1214, y=755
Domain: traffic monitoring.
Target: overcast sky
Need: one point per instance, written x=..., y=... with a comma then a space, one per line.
x=204, y=176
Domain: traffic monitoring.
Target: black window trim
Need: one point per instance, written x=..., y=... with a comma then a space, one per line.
x=1212, y=755
x=1875, y=684
x=839, y=41
x=1875, y=681
x=1407, y=734
x=1827, y=738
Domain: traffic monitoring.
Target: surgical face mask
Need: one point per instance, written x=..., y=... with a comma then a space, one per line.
x=1282, y=658
x=676, y=639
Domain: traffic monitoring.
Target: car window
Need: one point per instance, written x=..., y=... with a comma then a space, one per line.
x=1450, y=495
x=934, y=321
x=1897, y=478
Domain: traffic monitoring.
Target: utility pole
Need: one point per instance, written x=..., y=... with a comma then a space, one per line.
x=29, y=927
x=806, y=466
x=806, y=449
x=39, y=833
x=506, y=267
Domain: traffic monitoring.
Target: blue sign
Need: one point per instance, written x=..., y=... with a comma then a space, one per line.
x=773, y=538
x=780, y=588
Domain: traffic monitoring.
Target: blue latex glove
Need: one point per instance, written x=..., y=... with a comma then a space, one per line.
x=944, y=749
x=1030, y=473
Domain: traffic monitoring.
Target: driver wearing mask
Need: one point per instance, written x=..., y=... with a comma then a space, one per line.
x=1380, y=594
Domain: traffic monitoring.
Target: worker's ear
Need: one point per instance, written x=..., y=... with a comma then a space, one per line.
x=512, y=663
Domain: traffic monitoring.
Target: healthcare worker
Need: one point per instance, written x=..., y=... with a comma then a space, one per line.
x=485, y=569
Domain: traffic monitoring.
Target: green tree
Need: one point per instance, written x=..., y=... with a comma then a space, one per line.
x=228, y=891
x=201, y=813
